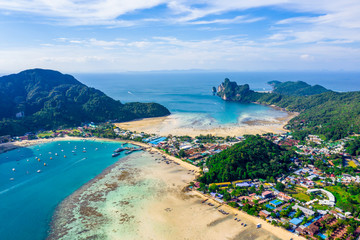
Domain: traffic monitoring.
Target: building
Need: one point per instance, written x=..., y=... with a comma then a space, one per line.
x=330, y=202
x=223, y=184
x=267, y=194
x=284, y=197
x=276, y=203
x=312, y=230
x=264, y=213
x=243, y=184
x=306, y=211
x=295, y=221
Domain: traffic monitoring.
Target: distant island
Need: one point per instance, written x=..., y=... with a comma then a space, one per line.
x=330, y=114
x=46, y=99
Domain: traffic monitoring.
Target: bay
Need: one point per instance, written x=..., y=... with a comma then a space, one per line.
x=27, y=203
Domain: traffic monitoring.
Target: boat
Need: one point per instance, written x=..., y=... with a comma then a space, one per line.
x=115, y=154
x=119, y=150
x=39, y=171
x=84, y=151
x=11, y=179
x=44, y=164
x=13, y=169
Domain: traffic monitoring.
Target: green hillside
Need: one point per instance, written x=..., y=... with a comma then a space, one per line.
x=332, y=114
x=255, y=157
x=46, y=99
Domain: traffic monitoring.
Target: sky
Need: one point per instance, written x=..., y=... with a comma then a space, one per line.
x=155, y=35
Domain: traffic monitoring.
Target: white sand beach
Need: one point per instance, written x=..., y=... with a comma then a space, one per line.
x=143, y=197
x=173, y=125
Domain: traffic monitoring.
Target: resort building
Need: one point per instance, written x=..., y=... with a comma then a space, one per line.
x=306, y=211
x=330, y=202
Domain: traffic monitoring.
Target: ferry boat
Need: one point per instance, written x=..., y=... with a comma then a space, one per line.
x=115, y=154
x=119, y=150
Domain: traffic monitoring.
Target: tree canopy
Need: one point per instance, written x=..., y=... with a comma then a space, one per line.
x=45, y=99
x=255, y=157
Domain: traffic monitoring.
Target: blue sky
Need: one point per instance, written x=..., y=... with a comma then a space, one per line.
x=145, y=35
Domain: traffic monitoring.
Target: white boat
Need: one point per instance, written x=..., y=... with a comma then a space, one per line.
x=39, y=171
x=13, y=169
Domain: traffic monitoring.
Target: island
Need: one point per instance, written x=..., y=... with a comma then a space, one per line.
x=333, y=115
x=45, y=99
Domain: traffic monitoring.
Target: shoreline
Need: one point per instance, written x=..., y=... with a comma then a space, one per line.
x=174, y=125
x=71, y=199
x=278, y=231
x=99, y=208
x=27, y=143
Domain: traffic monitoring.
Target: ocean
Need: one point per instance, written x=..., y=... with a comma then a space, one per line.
x=28, y=202
x=190, y=97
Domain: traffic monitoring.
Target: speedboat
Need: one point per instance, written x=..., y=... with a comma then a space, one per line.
x=115, y=154
x=119, y=150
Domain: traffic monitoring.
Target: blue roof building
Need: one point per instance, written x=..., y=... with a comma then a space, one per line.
x=276, y=202
x=295, y=221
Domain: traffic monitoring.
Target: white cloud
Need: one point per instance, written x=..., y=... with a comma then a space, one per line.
x=238, y=19
x=306, y=57
x=325, y=30
x=168, y=53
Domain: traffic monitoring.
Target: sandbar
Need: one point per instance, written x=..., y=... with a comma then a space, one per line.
x=172, y=125
x=144, y=196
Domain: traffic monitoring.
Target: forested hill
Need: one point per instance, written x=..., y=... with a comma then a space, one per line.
x=255, y=157
x=46, y=99
x=298, y=88
x=331, y=114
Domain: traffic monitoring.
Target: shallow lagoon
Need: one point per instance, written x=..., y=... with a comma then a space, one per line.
x=28, y=201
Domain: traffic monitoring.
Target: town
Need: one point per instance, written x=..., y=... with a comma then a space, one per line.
x=319, y=199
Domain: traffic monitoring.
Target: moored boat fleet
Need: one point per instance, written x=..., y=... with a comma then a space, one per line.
x=51, y=156
x=127, y=150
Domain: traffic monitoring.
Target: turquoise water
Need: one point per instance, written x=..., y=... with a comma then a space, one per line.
x=189, y=95
x=28, y=202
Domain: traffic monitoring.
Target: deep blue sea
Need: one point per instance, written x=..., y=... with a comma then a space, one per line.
x=190, y=94
x=28, y=202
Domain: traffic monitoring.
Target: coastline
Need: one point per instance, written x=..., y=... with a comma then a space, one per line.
x=4, y=147
x=175, y=177
x=171, y=125
x=162, y=210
